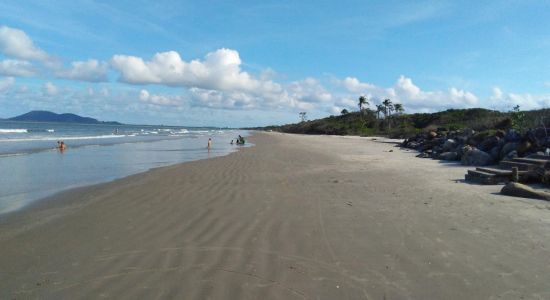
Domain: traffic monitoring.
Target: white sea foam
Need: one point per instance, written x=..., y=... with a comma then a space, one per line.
x=50, y=130
x=63, y=138
x=9, y=130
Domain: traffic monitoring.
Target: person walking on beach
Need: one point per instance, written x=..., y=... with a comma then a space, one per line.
x=209, y=144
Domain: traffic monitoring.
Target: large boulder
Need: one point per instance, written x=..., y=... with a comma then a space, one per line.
x=524, y=147
x=488, y=143
x=495, y=153
x=448, y=156
x=476, y=157
x=511, y=155
x=512, y=136
x=507, y=148
x=449, y=145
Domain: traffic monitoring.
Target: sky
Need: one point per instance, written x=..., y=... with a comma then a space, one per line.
x=256, y=63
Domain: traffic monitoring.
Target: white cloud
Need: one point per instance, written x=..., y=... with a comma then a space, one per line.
x=90, y=70
x=220, y=70
x=15, y=67
x=16, y=43
x=6, y=83
x=309, y=90
x=162, y=100
x=411, y=96
x=218, y=81
x=506, y=101
x=49, y=89
x=354, y=85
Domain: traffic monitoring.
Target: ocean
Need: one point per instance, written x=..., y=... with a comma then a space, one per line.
x=31, y=167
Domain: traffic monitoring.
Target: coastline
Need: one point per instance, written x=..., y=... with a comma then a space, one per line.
x=293, y=217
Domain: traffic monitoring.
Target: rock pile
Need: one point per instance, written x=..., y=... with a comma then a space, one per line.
x=479, y=149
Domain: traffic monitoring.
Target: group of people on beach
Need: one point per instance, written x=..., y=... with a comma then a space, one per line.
x=238, y=141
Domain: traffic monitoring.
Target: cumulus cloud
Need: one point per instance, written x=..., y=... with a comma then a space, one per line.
x=506, y=101
x=16, y=43
x=6, y=83
x=411, y=96
x=90, y=70
x=49, y=89
x=15, y=67
x=309, y=90
x=162, y=100
x=219, y=99
x=220, y=70
x=218, y=81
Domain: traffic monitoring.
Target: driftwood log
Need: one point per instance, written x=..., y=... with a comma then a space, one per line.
x=521, y=190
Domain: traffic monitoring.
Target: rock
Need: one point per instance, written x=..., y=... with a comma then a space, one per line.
x=448, y=156
x=507, y=148
x=500, y=134
x=511, y=155
x=495, y=153
x=468, y=132
x=521, y=190
x=449, y=145
x=476, y=157
x=432, y=134
x=424, y=155
x=477, y=139
x=512, y=136
x=488, y=143
x=523, y=147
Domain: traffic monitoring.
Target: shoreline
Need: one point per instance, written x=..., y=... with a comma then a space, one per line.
x=293, y=217
x=69, y=195
x=44, y=174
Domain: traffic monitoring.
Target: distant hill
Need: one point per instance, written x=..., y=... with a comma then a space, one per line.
x=48, y=116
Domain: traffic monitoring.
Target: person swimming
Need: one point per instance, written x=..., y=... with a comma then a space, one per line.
x=61, y=146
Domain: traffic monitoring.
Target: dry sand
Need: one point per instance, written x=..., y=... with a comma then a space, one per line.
x=296, y=217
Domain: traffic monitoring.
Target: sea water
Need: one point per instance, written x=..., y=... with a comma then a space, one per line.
x=31, y=167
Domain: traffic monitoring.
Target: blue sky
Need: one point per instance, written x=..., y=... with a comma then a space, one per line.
x=245, y=63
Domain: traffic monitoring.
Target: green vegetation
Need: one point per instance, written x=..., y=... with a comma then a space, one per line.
x=397, y=124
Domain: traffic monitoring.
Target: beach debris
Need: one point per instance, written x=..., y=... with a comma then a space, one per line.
x=524, y=191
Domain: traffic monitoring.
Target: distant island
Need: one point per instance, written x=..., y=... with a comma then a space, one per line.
x=48, y=116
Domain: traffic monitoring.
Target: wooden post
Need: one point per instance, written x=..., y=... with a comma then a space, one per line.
x=515, y=175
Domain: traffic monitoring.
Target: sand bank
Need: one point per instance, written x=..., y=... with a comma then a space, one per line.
x=296, y=217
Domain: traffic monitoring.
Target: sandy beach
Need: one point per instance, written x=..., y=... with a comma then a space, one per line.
x=295, y=217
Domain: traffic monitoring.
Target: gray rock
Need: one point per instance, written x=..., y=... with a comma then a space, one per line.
x=476, y=157
x=512, y=136
x=507, y=148
x=521, y=190
x=495, y=153
x=448, y=156
x=424, y=155
x=511, y=155
x=524, y=147
x=488, y=143
x=449, y=145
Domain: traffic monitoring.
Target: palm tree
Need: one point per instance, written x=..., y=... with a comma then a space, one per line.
x=379, y=109
x=362, y=102
x=388, y=107
x=303, y=116
x=398, y=108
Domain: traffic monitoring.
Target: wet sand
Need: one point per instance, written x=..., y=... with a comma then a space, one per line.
x=295, y=217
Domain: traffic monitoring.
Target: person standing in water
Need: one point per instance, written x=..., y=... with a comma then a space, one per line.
x=209, y=144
